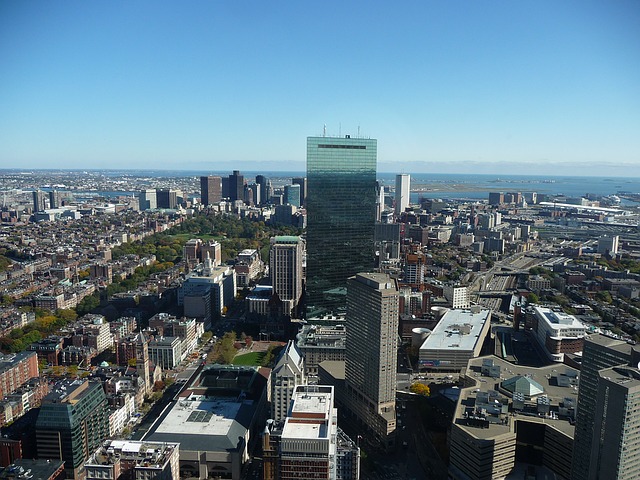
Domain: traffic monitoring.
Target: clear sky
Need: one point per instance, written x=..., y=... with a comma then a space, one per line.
x=445, y=86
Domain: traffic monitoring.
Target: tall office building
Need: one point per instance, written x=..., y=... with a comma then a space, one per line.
x=302, y=181
x=371, y=353
x=615, y=452
x=54, y=199
x=265, y=189
x=341, y=212
x=285, y=267
x=148, y=199
x=39, y=200
x=256, y=195
x=403, y=192
x=599, y=353
x=608, y=245
x=72, y=423
x=292, y=195
x=210, y=190
x=167, y=198
x=379, y=200
x=233, y=186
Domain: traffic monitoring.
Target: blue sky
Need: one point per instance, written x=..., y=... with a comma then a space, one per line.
x=446, y=86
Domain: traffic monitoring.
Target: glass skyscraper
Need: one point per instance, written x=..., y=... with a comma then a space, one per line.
x=341, y=212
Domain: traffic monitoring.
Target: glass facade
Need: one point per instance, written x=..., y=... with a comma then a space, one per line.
x=341, y=210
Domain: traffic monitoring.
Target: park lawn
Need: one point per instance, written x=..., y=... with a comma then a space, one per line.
x=253, y=358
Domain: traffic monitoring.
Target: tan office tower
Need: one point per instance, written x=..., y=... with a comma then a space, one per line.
x=371, y=353
x=285, y=269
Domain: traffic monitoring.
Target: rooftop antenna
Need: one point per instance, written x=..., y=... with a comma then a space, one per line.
x=358, y=131
x=340, y=129
x=324, y=130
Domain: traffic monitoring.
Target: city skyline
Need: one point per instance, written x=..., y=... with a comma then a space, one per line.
x=445, y=88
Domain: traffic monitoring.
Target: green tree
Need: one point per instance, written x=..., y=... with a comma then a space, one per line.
x=88, y=304
x=604, y=296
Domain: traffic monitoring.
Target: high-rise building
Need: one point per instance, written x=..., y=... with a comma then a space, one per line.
x=608, y=245
x=256, y=195
x=148, y=199
x=292, y=195
x=341, y=212
x=54, y=199
x=167, y=198
x=39, y=200
x=210, y=190
x=302, y=181
x=285, y=267
x=403, y=192
x=615, y=453
x=599, y=354
x=233, y=186
x=379, y=200
x=371, y=353
x=72, y=423
x=265, y=189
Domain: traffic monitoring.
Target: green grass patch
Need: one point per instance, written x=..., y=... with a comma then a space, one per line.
x=253, y=358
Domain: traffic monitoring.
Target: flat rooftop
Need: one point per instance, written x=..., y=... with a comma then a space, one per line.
x=202, y=423
x=197, y=415
x=547, y=377
x=457, y=330
x=557, y=318
x=310, y=416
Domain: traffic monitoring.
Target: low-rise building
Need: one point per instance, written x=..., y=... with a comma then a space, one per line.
x=127, y=459
x=215, y=419
x=456, y=339
x=319, y=343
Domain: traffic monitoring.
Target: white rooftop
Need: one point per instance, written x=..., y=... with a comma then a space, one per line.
x=557, y=318
x=457, y=330
x=197, y=415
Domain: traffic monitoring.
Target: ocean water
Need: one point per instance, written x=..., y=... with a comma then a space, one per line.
x=453, y=186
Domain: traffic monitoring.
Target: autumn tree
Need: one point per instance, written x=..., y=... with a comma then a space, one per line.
x=420, y=389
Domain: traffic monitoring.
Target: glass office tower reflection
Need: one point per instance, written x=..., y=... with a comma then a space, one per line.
x=341, y=209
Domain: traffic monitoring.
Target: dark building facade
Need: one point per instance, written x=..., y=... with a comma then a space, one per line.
x=210, y=190
x=233, y=186
x=341, y=212
x=72, y=423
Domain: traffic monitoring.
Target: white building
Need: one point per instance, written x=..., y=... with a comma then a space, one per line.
x=457, y=296
x=286, y=375
x=557, y=332
x=456, y=339
x=403, y=192
x=166, y=352
x=221, y=281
